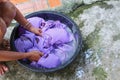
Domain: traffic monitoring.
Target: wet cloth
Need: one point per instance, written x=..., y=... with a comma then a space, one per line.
x=53, y=42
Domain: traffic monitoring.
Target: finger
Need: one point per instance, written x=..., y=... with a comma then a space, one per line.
x=40, y=34
x=2, y=72
x=40, y=30
x=41, y=54
x=5, y=68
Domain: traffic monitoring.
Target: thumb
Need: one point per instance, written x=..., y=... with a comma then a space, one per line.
x=39, y=32
x=40, y=53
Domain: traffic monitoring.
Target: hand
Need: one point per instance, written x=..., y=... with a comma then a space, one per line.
x=37, y=31
x=35, y=55
x=5, y=45
x=33, y=29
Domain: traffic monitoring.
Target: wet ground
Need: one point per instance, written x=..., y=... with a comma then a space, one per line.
x=99, y=23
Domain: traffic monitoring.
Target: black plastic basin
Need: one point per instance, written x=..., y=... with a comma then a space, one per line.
x=50, y=15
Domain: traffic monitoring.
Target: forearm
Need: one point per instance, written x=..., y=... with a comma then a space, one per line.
x=20, y=18
x=23, y=21
x=9, y=55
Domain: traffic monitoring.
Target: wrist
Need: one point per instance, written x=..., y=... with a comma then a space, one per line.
x=27, y=25
x=27, y=55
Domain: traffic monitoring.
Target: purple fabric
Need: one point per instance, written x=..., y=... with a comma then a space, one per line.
x=58, y=35
x=52, y=24
x=35, y=64
x=51, y=43
x=24, y=43
x=37, y=22
x=49, y=61
x=43, y=44
x=61, y=51
x=33, y=49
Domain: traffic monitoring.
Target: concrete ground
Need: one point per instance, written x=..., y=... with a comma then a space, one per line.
x=99, y=59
